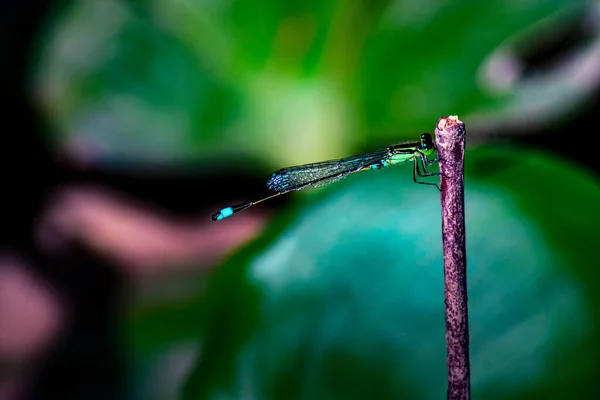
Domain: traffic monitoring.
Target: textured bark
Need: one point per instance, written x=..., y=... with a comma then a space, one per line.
x=450, y=142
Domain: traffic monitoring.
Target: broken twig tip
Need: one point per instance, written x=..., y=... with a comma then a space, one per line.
x=450, y=143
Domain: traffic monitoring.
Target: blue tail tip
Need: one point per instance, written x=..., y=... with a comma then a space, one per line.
x=224, y=213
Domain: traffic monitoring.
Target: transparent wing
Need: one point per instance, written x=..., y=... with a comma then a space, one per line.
x=310, y=176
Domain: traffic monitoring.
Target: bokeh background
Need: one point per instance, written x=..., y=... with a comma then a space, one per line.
x=128, y=123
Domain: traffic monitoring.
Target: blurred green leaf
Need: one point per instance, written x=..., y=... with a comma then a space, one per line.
x=288, y=82
x=162, y=340
x=343, y=297
x=153, y=326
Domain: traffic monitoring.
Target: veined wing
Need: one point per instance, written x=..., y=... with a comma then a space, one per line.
x=323, y=173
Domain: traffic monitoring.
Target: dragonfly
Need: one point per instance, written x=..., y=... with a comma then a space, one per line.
x=311, y=176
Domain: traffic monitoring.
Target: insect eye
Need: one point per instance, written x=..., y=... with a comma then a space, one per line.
x=426, y=140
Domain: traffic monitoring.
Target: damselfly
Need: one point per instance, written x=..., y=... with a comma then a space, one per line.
x=310, y=176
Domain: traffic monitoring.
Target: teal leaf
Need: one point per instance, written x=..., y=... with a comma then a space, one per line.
x=343, y=296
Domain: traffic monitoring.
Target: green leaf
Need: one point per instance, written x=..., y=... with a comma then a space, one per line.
x=161, y=335
x=288, y=82
x=343, y=297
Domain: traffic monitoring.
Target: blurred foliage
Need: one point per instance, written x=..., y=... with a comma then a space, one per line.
x=289, y=82
x=163, y=344
x=343, y=298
